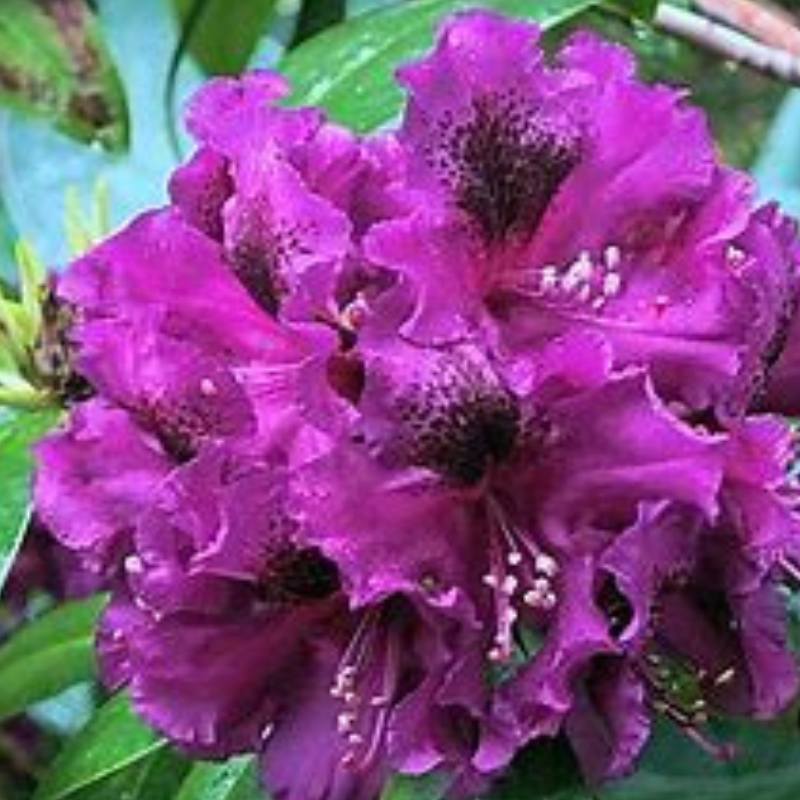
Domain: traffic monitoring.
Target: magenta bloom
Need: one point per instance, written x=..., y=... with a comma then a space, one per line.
x=574, y=197
x=223, y=578
x=407, y=452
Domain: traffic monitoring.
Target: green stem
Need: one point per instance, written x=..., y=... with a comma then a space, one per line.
x=26, y=399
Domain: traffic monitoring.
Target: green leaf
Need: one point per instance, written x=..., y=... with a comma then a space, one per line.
x=234, y=780
x=17, y=434
x=48, y=655
x=426, y=787
x=54, y=64
x=349, y=69
x=157, y=776
x=544, y=771
x=224, y=34
x=644, y=9
x=317, y=15
x=160, y=778
x=113, y=741
x=767, y=766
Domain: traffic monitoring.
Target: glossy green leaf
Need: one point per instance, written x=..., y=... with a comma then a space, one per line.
x=545, y=771
x=317, y=15
x=48, y=655
x=157, y=776
x=221, y=34
x=349, y=69
x=234, y=780
x=54, y=64
x=17, y=434
x=114, y=740
x=427, y=787
x=767, y=766
x=644, y=9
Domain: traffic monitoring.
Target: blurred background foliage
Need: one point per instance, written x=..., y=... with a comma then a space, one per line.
x=91, y=95
x=145, y=57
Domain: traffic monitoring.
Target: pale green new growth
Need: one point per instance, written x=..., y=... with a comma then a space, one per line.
x=22, y=318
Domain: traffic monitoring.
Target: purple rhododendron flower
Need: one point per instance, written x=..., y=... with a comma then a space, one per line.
x=407, y=451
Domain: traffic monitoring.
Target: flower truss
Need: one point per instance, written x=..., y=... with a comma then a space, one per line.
x=404, y=452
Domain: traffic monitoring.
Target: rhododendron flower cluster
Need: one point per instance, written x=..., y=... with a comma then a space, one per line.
x=407, y=451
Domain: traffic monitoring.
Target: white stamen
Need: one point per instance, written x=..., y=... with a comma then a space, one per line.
x=510, y=585
x=584, y=293
x=612, y=283
x=345, y=722
x=514, y=558
x=491, y=581
x=497, y=654
x=579, y=272
x=736, y=255
x=613, y=256
x=266, y=732
x=584, y=265
x=546, y=565
x=725, y=677
x=133, y=565
x=549, y=601
x=208, y=387
x=549, y=279
x=533, y=598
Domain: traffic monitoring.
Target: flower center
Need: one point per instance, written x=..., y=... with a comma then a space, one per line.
x=263, y=255
x=180, y=427
x=366, y=685
x=589, y=282
x=294, y=575
x=505, y=163
x=460, y=419
x=183, y=422
x=259, y=268
x=521, y=578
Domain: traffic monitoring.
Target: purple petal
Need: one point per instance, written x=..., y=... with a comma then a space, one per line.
x=93, y=481
x=200, y=188
x=610, y=723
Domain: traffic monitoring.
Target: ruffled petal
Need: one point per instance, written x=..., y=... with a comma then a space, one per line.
x=93, y=481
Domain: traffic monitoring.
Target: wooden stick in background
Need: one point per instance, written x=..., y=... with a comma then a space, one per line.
x=764, y=21
x=728, y=43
